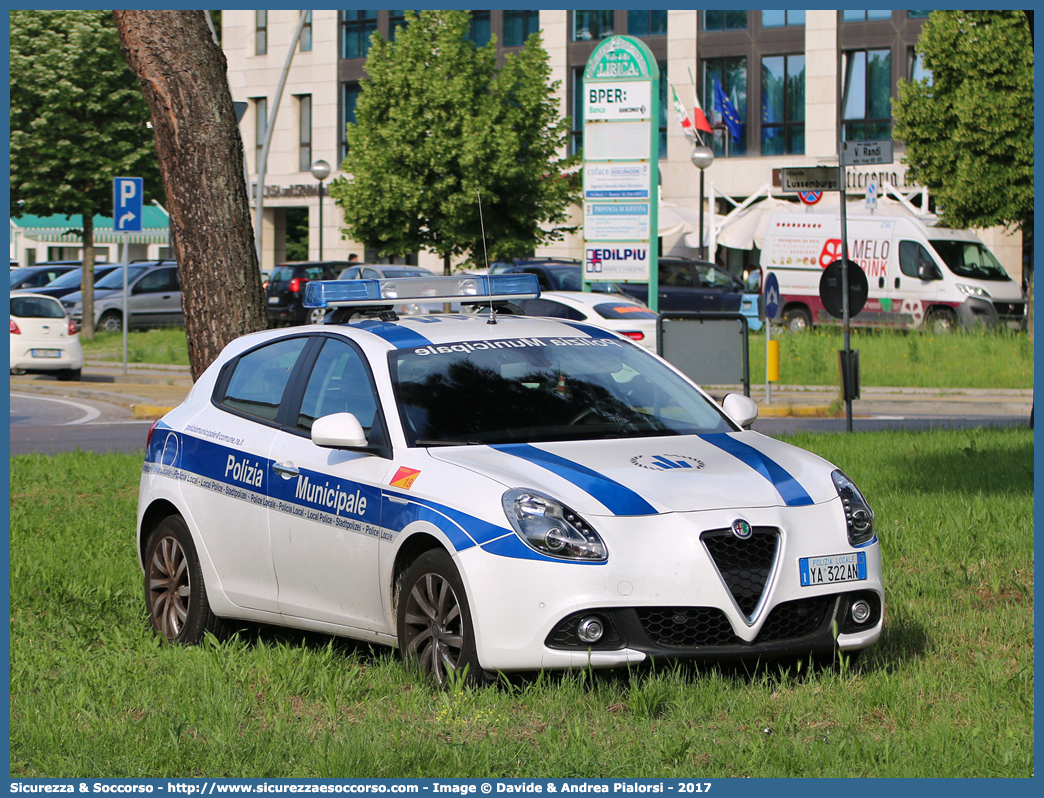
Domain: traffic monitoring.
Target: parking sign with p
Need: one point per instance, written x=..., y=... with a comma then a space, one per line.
x=127, y=201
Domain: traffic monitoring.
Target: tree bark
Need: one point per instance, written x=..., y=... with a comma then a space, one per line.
x=87, y=282
x=183, y=75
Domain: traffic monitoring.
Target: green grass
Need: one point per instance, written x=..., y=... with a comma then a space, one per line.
x=163, y=347
x=896, y=358
x=982, y=359
x=947, y=692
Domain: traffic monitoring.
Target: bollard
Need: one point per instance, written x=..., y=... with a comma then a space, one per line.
x=772, y=364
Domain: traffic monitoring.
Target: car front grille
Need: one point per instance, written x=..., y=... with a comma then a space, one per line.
x=793, y=619
x=1010, y=309
x=744, y=565
x=684, y=627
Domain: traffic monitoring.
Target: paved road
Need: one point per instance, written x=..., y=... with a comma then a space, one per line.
x=110, y=411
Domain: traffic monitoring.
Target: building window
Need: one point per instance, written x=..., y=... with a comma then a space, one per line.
x=349, y=98
x=260, y=33
x=918, y=14
x=577, y=140
x=724, y=20
x=357, y=27
x=647, y=23
x=305, y=42
x=519, y=25
x=916, y=68
x=865, y=16
x=662, y=65
x=396, y=19
x=782, y=19
x=867, y=101
x=479, y=32
x=592, y=25
x=260, y=128
x=783, y=105
x=730, y=136
x=304, y=135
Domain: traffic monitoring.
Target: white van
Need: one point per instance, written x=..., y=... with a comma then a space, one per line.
x=918, y=275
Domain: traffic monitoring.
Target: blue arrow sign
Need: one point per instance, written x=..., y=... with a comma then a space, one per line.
x=127, y=200
x=771, y=296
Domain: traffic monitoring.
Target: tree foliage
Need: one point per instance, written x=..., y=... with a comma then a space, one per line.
x=78, y=120
x=969, y=129
x=438, y=125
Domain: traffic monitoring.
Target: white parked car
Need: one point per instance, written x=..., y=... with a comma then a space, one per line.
x=43, y=338
x=617, y=312
x=526, y=494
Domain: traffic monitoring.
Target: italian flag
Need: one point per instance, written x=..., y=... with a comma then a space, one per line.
x=686, y=122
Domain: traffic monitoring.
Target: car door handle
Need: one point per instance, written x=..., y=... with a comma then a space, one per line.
x=286, y=470
x=880, y=282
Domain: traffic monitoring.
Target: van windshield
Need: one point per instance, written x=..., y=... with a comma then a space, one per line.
x=970, y=259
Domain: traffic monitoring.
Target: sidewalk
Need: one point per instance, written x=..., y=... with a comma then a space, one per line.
x=149, y=392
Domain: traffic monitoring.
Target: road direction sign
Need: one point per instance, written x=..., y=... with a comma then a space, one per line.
x=127, y=200
x=771, y=296
x=861, y=153
x=811, y=178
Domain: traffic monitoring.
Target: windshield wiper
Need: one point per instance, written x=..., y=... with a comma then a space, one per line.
x=448, y=443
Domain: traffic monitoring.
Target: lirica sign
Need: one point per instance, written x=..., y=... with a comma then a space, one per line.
x=621, y=160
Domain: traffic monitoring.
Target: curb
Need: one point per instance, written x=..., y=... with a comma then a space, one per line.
x=150, y=412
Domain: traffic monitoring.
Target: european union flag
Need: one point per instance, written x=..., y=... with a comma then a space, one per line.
x=728, y=111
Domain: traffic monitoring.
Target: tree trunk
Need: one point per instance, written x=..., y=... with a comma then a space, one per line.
x=183, y=76
x=87, y=283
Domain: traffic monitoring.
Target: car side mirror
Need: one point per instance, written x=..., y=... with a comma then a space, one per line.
x=338, y=431
x=929, y=271
x=741, y=409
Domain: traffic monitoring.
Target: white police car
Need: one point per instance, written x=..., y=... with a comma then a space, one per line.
x=524, y=494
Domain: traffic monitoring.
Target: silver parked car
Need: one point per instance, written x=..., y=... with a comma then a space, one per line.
x=154, y=300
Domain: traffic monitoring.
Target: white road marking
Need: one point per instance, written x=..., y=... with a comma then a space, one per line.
x=90, y=413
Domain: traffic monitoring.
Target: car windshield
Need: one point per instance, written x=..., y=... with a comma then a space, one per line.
x=970, y=259
x=543, y=389
x=34, y=307
x=18, y=274
x=114, y=279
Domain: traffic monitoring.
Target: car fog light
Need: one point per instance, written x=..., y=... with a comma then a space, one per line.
x=860, y=611
x=590, y=629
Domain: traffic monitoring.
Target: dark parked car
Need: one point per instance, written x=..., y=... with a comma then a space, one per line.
x=692, y=285
x=26, y=278
x=556, y=274
x=285, y=288
x=73, y=281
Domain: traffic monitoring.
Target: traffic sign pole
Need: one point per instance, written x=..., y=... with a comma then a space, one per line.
x=844, y=296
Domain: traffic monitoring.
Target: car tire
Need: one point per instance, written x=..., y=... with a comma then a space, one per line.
x=110, y=321
x=69, y=375
x=797, y=320
x=175, y=593
x=941, y=320
x=433, y=620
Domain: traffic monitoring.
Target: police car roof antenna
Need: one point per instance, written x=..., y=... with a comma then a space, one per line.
x=482, y=225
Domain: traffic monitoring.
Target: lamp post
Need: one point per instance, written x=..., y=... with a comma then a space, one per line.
x=320, y=171
x=702, y=157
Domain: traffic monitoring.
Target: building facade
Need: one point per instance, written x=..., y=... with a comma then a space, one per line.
x=791, y=82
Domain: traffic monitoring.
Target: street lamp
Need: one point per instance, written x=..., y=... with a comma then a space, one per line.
x=702, y=157
x=320, y=171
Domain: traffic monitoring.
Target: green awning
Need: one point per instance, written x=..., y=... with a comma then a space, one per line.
x=69, y=229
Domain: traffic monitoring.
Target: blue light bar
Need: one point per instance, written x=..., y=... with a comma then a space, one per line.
x=369, y=293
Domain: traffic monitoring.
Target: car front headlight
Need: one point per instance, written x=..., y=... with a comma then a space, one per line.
x=858, y=515
x=973, y=290
x=551, y=528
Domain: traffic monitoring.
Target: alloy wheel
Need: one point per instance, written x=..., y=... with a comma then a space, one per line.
x=169, y=587
x=434, y=626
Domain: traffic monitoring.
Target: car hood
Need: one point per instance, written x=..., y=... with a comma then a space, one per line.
x=648, y=476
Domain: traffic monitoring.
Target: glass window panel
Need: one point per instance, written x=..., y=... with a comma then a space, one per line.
x=592, y=25
x=795, y=88
x=773, y=19
x=918, y=14
x=918, y=71
x=647, y=23
x=855, y=85
x=735, y=20
x=479, y=33
x=879, y=85
x=578, y=109
x=261, y=33
x=713, y=20
x=305, y=42
x=883, y=14
x=518, y=25
x=305, y=132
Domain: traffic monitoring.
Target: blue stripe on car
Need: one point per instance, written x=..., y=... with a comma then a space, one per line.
x=593, y=332
x=789, y=489
x=620, y=499
x=401, y=337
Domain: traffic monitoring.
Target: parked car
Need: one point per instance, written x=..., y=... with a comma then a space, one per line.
x=154, y=300
x=43, y=338
x=25, y=278
x=534, y=494
x=621, y=314
x=285, y=289
x=557, y=274
x=692, y=285
x=72, y=281
x=368, y=271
